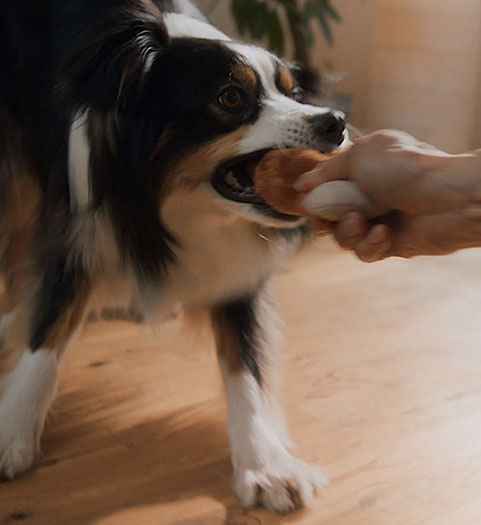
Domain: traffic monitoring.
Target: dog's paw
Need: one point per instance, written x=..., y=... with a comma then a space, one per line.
x=19, y=439
x=17, y=456
x=280, y=486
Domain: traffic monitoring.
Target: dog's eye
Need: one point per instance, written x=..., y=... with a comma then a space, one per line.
x=298, y=94
x=231, y=98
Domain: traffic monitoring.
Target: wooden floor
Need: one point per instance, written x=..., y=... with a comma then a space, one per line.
x=383, y=389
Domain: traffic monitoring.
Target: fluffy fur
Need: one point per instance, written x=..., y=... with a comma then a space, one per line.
x=124, y=139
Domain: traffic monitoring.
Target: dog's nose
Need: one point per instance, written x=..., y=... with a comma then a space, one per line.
x=329, y=126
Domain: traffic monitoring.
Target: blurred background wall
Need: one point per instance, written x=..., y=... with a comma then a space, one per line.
x=425, y=70
x=409, y=64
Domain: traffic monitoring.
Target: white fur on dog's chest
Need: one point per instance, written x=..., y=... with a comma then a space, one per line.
x=229, y=261
x=219, y=255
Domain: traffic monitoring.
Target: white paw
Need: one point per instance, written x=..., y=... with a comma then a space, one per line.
x=17, y=456
x=26, y=394
x=19, y=440
x=280, y=486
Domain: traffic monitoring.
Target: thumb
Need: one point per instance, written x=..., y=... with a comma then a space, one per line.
x=332, y=169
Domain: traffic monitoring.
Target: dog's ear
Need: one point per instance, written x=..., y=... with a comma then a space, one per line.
x=113, y=56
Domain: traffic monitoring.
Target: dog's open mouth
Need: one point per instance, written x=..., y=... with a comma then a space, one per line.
x=233, y=181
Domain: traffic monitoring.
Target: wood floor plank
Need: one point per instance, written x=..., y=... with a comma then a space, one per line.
x=382, y=388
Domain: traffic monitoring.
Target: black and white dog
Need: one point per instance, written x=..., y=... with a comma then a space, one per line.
x=126, y=128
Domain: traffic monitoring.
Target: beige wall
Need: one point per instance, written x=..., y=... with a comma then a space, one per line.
x=410, y=64
x=352, y=51
x=424, y=74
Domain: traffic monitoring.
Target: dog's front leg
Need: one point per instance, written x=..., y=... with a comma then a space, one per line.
x=264, y=472
x=43, y=328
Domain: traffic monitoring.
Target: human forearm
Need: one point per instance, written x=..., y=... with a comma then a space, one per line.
x=435, y=197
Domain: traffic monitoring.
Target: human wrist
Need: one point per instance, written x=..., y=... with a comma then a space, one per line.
x=460, y=176
x=472, y=162
x=450, y=180
x=465, y=172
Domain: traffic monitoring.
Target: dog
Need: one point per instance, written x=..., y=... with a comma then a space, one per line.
x=127, y=128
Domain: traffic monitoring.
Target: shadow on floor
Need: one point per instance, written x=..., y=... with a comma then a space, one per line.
x=89, y=471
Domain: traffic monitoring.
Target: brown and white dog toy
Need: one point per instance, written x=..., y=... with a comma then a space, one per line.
x=276, y=173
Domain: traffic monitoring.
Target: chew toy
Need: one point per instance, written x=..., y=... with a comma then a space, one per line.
x=275, y=174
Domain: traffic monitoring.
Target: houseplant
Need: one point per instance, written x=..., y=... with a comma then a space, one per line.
x=274, y=21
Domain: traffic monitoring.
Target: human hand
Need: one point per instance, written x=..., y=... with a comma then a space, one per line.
x=435, y=197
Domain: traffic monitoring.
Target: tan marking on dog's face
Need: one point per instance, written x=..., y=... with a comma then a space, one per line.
x=284, y=81
x=244, y=75
x=198, y=167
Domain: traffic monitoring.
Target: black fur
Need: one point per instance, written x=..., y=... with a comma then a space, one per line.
x=148, y=103
x=173, y=96
x=58, y=288
x=99, y=67
x=241, y=319
x=105, y=76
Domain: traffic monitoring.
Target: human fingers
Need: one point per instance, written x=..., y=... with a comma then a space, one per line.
x=375, y=245
x=351, y=230
x=332, y=169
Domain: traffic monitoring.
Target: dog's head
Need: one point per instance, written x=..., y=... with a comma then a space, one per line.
x=176, y=112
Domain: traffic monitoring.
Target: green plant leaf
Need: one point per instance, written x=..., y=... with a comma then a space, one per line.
x=322, y=11
x=326, y=29
x=332, y=11
x=309, y=34
x=251, y=17
x=259, y=20
x=288, y=5
x=239, y=12
x=275, y=37
x=243, y=12
x=307, y=13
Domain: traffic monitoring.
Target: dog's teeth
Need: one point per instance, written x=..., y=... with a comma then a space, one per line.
x=235, y=185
